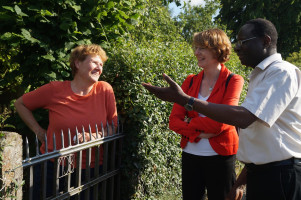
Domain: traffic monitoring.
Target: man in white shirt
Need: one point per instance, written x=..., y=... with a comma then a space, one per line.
x=269, y=118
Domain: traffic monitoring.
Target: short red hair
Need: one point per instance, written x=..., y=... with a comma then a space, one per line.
x=216, y=40
x=81, y=52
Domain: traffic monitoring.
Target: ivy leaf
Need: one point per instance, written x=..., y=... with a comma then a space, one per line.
x=19, y=11
x=110, y=5
x=27, y=36
x=8, y=8
x=6, y=36
x=123, y=14
x=49, y=57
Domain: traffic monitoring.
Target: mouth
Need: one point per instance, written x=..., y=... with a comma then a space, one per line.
x=96, y=72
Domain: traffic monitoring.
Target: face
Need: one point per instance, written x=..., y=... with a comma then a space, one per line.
x=89, y=69
x=205, y=57
x=250, y=52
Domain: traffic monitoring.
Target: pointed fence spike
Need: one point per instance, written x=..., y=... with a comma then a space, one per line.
x=27, y=148
x=90, y=133
x=84, y=138
x=108, y=129
x=69, y=137
x=62, y=139
x=37, y=146
x=46, y=143
x=54, y=142
x=102, y=130
x=96, y=129
x=118, y=124
x=76, y=135
x=113, y=127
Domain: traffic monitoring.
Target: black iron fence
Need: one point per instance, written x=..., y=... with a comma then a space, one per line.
x=68, y=179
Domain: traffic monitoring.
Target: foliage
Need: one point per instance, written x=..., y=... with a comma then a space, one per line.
x=142, y=42
x=197, y=18
x=285, y=15
x=37, y=36
x=295, y=58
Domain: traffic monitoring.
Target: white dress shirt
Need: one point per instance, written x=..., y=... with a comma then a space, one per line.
x=274, y=96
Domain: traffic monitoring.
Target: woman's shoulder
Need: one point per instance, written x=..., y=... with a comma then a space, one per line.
x=103, y=85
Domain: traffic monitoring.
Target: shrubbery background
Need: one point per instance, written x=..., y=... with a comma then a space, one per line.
x=142, y=41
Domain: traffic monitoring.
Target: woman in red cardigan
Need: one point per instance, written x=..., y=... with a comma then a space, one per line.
x=209, y=147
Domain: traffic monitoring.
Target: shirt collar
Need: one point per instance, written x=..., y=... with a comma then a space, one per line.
x=267, y=61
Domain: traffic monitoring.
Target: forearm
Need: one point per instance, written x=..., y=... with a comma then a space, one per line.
x=228, y=114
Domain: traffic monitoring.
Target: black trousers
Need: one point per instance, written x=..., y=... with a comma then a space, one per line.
x=216, y=174
x=281, y=182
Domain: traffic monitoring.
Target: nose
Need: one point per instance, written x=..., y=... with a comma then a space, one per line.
x=236, y=47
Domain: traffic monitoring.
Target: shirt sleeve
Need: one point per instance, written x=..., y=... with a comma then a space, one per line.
x=39, y=98
x=111, y=105
x=271, y=97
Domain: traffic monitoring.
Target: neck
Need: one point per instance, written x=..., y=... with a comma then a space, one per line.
x=212, y=73
x=80, y=87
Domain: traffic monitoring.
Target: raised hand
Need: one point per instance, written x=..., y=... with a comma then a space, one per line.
x=173, y=93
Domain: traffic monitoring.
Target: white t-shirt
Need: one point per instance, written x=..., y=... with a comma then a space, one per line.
x=274, y=96
x=203, y=147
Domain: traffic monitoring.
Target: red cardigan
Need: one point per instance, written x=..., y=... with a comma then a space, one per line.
x=226, y=141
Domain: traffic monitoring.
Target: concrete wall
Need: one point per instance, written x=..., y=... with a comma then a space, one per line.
x=11, y=153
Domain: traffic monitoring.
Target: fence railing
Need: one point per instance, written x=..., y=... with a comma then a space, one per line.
x=68, y=179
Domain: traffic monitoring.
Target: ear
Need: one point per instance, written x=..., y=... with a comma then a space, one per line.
x=267, y=41
x=76, y=62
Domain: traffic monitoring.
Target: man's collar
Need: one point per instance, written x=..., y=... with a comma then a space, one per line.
x=267, y=61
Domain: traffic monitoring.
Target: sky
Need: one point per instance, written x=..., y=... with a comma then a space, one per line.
x=176, y=10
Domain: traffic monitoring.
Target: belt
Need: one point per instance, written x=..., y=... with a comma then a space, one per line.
x=290, y=161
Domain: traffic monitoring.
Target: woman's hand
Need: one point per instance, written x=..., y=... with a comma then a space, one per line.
x=87, y=137
x=41, y=134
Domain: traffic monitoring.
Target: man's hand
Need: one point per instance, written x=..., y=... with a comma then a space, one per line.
x=236, y=193
x=173, y=93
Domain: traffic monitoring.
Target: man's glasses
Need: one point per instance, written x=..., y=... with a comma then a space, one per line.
x=240, y=42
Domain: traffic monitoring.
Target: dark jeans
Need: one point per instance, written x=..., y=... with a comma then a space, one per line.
x=62, y=181
x=274, y=182
x=214, y=173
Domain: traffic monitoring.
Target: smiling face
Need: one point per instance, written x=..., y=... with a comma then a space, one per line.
x=250, y=52
x=205, y=57
x=89, y=69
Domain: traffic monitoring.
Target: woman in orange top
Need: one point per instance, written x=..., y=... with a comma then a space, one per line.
x=82, y=102
x=209, y=147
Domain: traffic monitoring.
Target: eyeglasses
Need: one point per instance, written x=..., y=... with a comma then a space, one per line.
x=240, y=42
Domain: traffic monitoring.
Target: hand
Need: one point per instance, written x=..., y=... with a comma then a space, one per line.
x=41, y=134
x=235, y=193
x=87, y=137
x=173, y=93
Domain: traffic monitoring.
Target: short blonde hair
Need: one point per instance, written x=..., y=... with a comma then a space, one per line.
x=216, y=40
x=81, y=52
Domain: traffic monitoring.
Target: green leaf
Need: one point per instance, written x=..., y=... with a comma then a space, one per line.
x=8, y=8
x=49, y=57
x=123, y=14
x=51, y=75
x=110, y=5
x=19, y=11
x=26, y=35
x=6, y=36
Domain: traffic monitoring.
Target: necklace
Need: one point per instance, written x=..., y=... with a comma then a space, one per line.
x=211, y=88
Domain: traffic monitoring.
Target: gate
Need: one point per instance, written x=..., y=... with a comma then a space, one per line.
x=100, y=182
